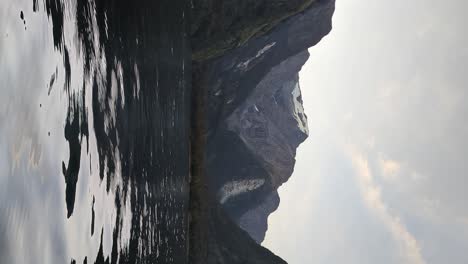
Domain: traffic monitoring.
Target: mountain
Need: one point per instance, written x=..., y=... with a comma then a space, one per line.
x=255, y=153
x=246, y=60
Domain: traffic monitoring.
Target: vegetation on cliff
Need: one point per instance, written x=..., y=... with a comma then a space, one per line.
x=221, y=25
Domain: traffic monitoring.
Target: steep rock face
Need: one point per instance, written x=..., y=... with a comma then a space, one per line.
x=259, y=153
x=271, y=121
x=221, y=25
x=255, y=119
x=255, y=221
x=231, y=78
x=246, y=64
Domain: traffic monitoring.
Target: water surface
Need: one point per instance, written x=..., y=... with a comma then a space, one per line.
x=94, y=131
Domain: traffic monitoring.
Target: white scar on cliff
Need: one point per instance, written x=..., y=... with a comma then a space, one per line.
x=299, y=114
x=245, y=64
x=235, y=188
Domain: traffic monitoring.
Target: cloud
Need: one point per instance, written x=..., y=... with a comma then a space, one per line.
x=390, y=168
x=371, y=195
x=398, y=93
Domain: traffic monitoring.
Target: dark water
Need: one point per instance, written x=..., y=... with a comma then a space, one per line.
x=94, y=131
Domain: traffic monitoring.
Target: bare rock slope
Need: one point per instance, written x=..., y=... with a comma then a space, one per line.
x=246, y=63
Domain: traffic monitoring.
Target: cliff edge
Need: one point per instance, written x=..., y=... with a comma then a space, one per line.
x=248, y=88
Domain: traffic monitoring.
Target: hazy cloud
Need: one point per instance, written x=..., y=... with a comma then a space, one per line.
x=390, y=168
x=371, y=194
x=389, y=80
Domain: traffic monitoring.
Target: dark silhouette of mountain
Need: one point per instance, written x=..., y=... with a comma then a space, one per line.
x=255, y=120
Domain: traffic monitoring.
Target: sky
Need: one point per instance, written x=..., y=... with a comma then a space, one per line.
x=382, y=177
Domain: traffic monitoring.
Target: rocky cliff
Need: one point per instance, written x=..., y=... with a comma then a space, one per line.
x=218, y=26
x=246, y=63
x=246, y=59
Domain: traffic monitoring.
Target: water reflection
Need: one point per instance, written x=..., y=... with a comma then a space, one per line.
x=93, y=132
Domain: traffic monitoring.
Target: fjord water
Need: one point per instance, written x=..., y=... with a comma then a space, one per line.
x=94, y=131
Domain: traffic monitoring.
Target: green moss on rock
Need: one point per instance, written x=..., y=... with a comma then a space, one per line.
x=233, y=23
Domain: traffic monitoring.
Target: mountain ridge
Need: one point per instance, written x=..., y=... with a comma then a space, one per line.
x=250, y=97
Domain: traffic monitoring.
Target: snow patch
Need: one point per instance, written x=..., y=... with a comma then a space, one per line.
x=235, y=188
x=298, y=113
x=245, y=64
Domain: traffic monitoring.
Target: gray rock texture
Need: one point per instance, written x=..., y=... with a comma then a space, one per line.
x=246, y=65
x=255, y=119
